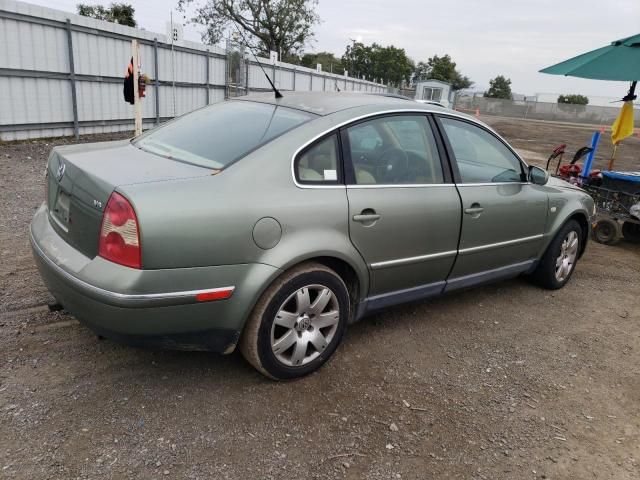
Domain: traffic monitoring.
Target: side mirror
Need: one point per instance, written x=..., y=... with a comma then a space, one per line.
x=537, y=175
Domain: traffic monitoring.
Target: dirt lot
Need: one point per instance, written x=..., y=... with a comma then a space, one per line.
x=536, y=140
x=507, y=381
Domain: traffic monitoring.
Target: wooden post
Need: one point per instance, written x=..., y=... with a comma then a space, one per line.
x=72, y=78
x=157, y=81
x=136, y=95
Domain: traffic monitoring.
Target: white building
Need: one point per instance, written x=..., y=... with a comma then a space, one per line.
x=434, y=91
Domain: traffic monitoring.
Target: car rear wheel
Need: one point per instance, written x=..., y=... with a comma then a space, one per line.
x=559, y=261
x=298, y=322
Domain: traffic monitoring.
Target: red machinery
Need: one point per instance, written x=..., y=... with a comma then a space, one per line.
x=572, y=170
x=616, y=195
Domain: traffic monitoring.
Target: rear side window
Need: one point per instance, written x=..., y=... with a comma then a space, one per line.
x=318, y=164
x=217, y=135
x=480, y=156
x=394, y=150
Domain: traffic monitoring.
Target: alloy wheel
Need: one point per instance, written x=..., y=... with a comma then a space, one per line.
x=567, y=258
x=305, y=325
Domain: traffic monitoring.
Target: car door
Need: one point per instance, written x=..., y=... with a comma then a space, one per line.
x=504, y=215
x=404, y=210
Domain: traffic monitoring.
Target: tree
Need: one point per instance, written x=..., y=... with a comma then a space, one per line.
x=391, y=64
x=443, y=69
x=283, y=26
x=328, y=61
x=357, y=59
x=573, y=99
x=499, y=87
x=421, y=72
x=388, y=64
x=120, y=13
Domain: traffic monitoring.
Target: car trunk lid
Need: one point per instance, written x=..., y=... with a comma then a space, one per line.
x=80, y=179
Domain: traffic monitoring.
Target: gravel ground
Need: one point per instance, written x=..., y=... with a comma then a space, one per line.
x=505, y=381
x=537, y=139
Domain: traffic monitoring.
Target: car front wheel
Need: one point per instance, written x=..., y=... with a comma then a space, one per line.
x=559, y=261
x=298, y=322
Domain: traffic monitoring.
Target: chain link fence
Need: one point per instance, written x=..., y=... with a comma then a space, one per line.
x=555, y=112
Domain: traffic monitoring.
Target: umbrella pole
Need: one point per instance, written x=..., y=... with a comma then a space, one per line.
x=613, y=157
x=631, y=95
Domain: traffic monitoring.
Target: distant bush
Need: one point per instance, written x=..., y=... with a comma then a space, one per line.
x=499, y=87
x=573, y=99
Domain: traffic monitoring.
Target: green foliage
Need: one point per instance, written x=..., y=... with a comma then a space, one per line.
x=421, y=72
x=499, y=87
x=443, y=69
x=120, y=13
x=283, y=26
x=573, y=99
x=328, y=61
x=358, y=59
x=388, y=64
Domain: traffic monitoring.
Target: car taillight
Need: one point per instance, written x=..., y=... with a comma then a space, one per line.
x=119, y=234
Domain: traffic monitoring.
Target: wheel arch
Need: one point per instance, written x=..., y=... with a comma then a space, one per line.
x=580, y=216
x=356, y=277
x=348, y=275
x=583, y=221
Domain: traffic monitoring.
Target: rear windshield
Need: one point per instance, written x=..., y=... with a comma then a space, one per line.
x=215, y=136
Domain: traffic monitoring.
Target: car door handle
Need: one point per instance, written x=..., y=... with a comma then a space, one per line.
x=366, y=217
x=474, y=209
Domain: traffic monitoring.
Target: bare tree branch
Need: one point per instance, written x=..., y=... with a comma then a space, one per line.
x=285, y=26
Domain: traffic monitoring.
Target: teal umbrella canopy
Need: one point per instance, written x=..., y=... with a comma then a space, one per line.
x=619, y=61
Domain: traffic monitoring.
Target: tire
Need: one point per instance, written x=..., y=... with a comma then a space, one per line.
x=606, y=232
x=631, y=232
x=563, y=252
x=288, y=316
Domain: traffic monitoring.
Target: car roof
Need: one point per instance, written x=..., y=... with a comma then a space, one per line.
x=326, y=103
x=430, y=102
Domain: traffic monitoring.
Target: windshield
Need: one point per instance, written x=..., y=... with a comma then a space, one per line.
x=215, y=136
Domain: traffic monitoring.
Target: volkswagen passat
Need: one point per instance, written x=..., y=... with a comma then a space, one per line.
x=271, y=224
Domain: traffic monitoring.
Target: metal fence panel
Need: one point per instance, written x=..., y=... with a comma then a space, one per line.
x=32, y=46
x=186, y=100
x=304, y=82
x=105, y=103
x=34, y=100
x=216, y=71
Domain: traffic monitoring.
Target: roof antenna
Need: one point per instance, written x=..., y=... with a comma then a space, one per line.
x=273, y=87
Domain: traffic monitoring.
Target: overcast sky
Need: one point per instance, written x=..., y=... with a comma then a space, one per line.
x=515, y=38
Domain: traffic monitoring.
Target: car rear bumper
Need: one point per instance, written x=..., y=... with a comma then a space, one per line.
x=148, y=307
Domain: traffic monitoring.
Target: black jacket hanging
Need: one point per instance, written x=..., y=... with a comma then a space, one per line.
x=128, y=85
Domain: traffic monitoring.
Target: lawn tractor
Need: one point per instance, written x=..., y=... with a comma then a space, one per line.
x=616, y=195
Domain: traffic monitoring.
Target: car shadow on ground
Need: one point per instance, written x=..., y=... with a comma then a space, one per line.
x=157, y=366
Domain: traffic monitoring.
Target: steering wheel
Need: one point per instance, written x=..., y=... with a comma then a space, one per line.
x=393, y=165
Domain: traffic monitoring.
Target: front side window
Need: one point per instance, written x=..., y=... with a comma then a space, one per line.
x=480, y=156
x=319, y=163
x=398, y=150
x=215, y=136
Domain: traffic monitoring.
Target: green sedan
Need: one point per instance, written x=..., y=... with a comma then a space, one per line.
x=271, y=224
